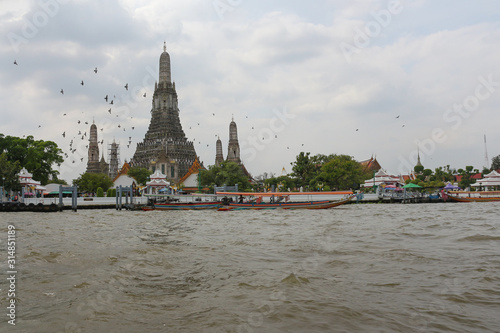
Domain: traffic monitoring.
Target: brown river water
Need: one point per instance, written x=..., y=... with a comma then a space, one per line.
x=354, y=268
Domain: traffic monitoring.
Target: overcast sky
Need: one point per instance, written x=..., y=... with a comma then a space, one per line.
x=363, y=78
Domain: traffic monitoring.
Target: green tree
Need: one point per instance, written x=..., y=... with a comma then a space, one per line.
x=89, y=182
x=282, y=183
x=37, y=156
x=466, y=174
x=8, y=173
x=443, y=174
x=141, y=175
x=58, y=181
x=427, y=172
x=342, y=172
x=111, y=192
x=418, y=169
x=495, y=163
x=99, y=192
x=228, y=173
x=303, y=169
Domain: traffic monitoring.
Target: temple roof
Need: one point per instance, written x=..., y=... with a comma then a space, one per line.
x=158, y=175
x=195, y=167
x=370, y=164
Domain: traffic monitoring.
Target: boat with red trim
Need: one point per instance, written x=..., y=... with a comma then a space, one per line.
x=281, y=200
x=470, y=196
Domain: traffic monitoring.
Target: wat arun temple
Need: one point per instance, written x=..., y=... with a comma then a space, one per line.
x=165, y=146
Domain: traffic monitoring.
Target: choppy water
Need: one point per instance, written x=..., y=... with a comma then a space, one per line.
x=355, y=268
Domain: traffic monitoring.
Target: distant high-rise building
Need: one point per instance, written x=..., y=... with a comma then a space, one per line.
x=165, y=146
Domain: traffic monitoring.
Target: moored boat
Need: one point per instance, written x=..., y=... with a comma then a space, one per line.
x=281, y=201
x=479, y=196
x=187, y=205
x=182, y=202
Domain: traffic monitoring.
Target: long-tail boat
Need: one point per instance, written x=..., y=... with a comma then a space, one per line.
x=281, y=200
x=182, y=202
x=479, y=196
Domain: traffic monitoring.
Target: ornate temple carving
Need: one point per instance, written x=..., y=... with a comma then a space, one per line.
x=165, y=146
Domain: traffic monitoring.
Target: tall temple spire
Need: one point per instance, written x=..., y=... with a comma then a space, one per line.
x=165, y=146
x=93, y=147
x=165, y=75
x=114, y=156
x=93, y=163
x=418, y=157
x=233, y=149
x=219, y=156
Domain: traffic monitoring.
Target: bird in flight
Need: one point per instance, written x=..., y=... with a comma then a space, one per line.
x=81, y=83
x=15, y=62
x=126, y=86
x=106, y=98
x=397, y=116
x=64, y=134
x=144, y=95
x=109, y=110
x=111, y=102
x=95, y=70
x=62, y=91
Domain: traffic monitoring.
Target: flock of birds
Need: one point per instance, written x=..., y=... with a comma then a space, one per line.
x=83, y=136
x=82, y=133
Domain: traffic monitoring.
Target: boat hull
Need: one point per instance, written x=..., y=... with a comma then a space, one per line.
x=324, y=204
x=472, y=199
x=187, y=205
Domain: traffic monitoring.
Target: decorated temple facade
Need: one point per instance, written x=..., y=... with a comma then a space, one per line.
x=165, y=146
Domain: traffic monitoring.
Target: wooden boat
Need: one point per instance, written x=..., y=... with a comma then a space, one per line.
x=182, y=202
x=187, y=205
x=484, y=196
x=258, y=204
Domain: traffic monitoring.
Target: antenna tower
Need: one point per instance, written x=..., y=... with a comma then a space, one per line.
x=486, y=159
